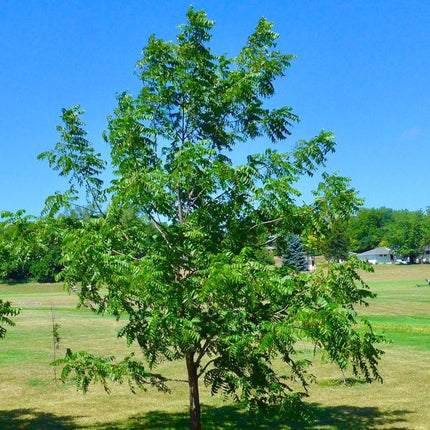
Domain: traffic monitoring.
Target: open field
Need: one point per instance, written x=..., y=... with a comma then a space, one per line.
x=30, y=399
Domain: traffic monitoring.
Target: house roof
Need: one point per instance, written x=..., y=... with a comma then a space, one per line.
x=377, y=251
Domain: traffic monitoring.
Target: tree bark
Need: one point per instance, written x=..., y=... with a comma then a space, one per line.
x=193, y=384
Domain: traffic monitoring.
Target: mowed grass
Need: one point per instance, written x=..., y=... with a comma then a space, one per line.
x=31, y=399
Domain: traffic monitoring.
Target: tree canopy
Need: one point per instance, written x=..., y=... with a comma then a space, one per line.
x=406, y=232
x=174, y=243
x=368, y=228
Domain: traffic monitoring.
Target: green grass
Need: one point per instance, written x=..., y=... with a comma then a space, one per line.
x=402, y=310
x=402, y=323
x=38, y=382
x=30, y=399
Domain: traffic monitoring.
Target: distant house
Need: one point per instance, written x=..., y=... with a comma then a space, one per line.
x=379, y=255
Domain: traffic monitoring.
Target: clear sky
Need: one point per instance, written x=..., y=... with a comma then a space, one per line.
x=362, y=71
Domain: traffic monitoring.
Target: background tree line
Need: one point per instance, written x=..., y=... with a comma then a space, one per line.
x=30, y=248
x=406, y=233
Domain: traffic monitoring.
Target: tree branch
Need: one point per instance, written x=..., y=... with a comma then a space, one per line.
x=178, y=192
x=124, y=255
x=203, y=351
x=158, y=228
x=203, y=369
x=272, y=221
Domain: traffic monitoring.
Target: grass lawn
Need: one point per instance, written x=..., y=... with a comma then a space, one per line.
x=30, y=399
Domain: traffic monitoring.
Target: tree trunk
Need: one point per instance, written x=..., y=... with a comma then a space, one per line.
x=193, y=384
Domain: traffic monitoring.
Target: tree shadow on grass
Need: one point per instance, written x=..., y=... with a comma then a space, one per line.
x=235, y=417
x=30, y=419
x=355, y=418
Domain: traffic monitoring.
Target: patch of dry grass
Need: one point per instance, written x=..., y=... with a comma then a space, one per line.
x=393, y=272
x=30, y=399
x=399, y=403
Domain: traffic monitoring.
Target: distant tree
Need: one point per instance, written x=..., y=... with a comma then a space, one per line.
x=47, y=264
x=31, y=247
x=407, y=234
x=368, y=228
x=14, y=252
x=426, y=228
x=194, y=287
x=335, y=244
x=292, y=251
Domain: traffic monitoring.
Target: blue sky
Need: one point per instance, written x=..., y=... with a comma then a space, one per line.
x=362, y=71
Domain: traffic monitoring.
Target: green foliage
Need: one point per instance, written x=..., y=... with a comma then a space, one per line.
x=88, y=368
x=178, y=251
x=6, y=311
x=47, y=265
x=75, y=158
x=30, y=247
x=406, y=235
x=367, y=229
x=14, y=251
x=335, y=244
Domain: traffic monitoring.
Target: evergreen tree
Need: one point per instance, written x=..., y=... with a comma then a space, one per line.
x=292, y=252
